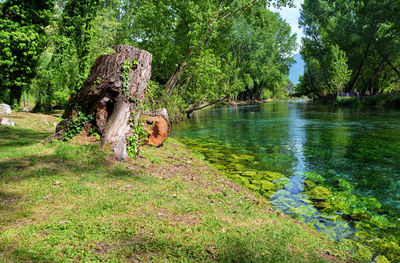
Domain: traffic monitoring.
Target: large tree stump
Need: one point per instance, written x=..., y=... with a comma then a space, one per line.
x=114, y=106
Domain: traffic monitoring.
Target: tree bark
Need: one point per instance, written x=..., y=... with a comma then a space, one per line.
x=173, y=80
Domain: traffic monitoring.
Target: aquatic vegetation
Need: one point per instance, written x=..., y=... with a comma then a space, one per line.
x=331, y=207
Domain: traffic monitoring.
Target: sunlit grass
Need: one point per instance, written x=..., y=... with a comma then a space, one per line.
x=64, y=203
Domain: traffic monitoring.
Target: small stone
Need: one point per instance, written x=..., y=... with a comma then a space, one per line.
x=5, y=109
x=57, y=183
x=47, y=196
x=7, y=122
x=27, y=109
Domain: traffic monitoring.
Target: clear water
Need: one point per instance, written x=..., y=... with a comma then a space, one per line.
x=360, y=146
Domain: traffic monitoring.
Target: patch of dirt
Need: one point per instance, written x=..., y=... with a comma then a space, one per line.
x=103, y=248
x=85, y=138
x=178, y=219
x=328, y=257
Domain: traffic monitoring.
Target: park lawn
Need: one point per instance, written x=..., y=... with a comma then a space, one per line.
x=61, y=202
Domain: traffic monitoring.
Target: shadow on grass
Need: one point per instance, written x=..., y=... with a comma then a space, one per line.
x=17, y=137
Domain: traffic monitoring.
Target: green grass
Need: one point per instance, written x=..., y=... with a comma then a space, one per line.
x=166, y=206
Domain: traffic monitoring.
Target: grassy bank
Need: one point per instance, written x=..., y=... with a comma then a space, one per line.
x=61, y=203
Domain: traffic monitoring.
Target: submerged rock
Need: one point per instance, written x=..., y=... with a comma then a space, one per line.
x=272, y=176
x=322, y=205
x=267, y=186
x=310, y=184
x=381, y=259
x=239, y=167
x=319, y=193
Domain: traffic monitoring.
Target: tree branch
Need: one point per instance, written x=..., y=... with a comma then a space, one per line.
x=200, y=106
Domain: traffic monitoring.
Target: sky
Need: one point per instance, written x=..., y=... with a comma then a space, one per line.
x=292, y=15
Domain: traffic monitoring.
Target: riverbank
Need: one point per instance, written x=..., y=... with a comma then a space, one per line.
x=381, y=100
x=63, y=202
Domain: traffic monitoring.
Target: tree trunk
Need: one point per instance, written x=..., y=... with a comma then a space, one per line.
x=393, y=67
x=200, y=106
x=377, y=70
x=173, y=80
x=353, y=83
x=112, y=100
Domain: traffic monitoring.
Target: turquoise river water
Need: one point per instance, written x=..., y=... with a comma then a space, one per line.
x=336, y=169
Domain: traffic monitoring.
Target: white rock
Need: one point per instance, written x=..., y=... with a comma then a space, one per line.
x=7, y=122
x=5, y=109
x=27, y=109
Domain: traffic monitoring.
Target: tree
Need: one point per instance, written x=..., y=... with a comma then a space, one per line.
x=366, y=31
x=72, y=42
x=339, y=71
x=193, y=50
x=22, y=39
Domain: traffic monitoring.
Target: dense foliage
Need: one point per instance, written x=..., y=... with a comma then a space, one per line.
x=203, y=51
x=22, y=39
x=350, y=46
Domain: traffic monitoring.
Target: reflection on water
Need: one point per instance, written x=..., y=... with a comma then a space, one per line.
x=293, y=192
x=352, y=152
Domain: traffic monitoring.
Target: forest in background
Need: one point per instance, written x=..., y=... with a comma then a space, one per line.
x=350, y=47
x=203, y=51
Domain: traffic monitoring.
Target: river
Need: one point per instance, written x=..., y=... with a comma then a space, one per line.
x=335, y=169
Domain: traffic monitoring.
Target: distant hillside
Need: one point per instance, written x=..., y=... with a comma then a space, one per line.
x=297, y=69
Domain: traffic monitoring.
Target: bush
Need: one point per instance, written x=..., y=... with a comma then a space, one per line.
x=348, y=101
x=174, y=104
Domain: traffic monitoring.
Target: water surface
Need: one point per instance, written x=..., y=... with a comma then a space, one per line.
x=355, y=153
